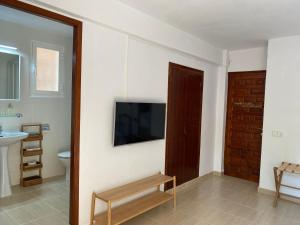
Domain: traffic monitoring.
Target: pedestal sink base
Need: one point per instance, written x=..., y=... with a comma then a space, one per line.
x=6, y=139
x=5, y=189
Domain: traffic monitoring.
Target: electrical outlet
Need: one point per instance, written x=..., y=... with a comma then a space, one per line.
x=46, y=127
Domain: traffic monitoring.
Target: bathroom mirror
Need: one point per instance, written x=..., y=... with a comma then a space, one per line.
x=9, y=76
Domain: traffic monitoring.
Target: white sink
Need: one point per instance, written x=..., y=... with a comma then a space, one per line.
x=6, y=139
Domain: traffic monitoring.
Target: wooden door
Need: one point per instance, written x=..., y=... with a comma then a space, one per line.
x=184, y=123
x=245, y=108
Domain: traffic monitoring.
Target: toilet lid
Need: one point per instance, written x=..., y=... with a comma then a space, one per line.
x=66, y=154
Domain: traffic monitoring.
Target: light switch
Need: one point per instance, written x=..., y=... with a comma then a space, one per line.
x=277, y=133
x=46, y=127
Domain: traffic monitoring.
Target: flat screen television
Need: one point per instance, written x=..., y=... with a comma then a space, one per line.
x=138, y=122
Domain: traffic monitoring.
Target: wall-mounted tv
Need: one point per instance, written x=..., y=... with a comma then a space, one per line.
x=138, y=122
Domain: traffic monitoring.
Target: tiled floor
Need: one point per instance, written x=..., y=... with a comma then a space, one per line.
x=213, y=201
x=46, y=204
x=222, y=201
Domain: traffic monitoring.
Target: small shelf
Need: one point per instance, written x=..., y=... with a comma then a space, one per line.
x=133, y=188
x=34, y=149
x=33, y=180
x=31, y=124
x=124, y=212
x=130, y=210
x=34, y=137
x=27, y=167
x=34, y=152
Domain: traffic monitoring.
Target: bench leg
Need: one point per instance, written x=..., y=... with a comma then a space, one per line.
x=158, y=186
x=278, y=179
x=109, y=213
x=174, y=192
x=93, y=209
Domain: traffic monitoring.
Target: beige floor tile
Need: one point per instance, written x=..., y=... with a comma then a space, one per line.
x=167, y=215
x=213, y=201
x=46, y=192
x=40, y=209
x=37, y=203
x=16, y=200
x=65, y=212
x=224, y=200
x=20, y=215
x=58, y=203
x=5, y=219
x=141, y=220
x=55, y=219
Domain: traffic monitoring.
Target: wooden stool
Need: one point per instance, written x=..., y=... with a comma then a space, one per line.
x=278, y=174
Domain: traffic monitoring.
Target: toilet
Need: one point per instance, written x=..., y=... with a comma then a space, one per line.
x=65, y=157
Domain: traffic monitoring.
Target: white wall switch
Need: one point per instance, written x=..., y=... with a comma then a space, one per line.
x=46, y=127
x=277, y=133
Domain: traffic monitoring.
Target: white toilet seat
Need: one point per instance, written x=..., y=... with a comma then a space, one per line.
x=64, y=155
x=65, y=158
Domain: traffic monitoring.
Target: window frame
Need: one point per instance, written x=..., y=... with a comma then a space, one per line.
x=61, y=76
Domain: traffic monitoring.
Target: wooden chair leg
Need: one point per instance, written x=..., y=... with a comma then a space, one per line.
x=278, y=184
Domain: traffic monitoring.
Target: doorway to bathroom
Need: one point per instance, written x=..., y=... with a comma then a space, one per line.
x=47, y=75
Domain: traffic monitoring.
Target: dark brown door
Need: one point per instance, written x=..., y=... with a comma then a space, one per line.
x=184, y=122
x=245, y=108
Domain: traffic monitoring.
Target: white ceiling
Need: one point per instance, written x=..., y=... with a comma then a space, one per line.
x=229, y=24
x=28, y=20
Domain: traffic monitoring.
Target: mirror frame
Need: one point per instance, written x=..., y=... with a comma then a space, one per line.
x=16, y=53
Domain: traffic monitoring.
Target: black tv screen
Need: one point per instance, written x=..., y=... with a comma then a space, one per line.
x=139, y=122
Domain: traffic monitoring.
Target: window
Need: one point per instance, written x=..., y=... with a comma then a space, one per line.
x=47, y=77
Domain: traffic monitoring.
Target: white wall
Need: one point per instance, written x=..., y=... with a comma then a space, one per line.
x=119, y=16
x=221, y=114
x=55, y=111
x=124, y=66
x=282, y=110
x=248, y=59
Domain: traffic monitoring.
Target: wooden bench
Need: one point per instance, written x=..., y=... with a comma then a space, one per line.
x=278, y=174
x=127, y=211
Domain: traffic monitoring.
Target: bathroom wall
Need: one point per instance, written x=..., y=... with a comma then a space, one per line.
x=55, y=111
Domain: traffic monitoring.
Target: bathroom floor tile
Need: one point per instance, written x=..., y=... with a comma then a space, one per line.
x=5, y=219
x=55, y=219
x=20, y=215
x=47, y=203
x=58, y=203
